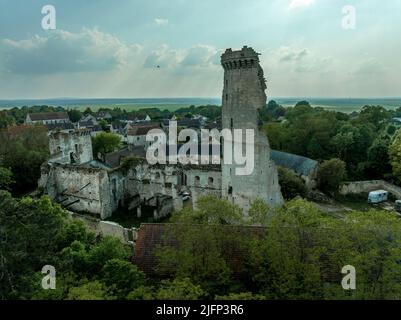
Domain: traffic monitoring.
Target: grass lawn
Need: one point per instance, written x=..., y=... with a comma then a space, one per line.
x=357, y=202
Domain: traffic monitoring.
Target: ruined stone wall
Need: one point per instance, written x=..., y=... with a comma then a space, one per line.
x=148, y=180
x=108, y=228
x=81, y=189
x=358, y=187
x=202, y=182
x=73, y=147
x=243, y=95
x=114, y=190
x=138, y=141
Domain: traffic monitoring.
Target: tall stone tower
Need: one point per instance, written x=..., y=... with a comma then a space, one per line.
x=243, y=94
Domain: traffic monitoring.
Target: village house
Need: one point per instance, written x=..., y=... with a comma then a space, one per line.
x=47, y=118
x=136, y=134
x=89, y=118
x=143, y=118
x=103, y=115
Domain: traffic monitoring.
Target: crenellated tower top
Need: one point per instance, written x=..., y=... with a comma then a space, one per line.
x=244, y=58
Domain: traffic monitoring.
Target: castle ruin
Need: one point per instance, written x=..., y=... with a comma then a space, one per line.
x=78, y=182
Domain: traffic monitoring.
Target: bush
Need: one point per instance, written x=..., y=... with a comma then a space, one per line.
x=331, y=174
x=291, y=185
x=122, y=277
x=179, y=289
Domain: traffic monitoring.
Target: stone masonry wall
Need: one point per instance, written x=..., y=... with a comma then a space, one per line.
x=243, y=95
x=368, y=186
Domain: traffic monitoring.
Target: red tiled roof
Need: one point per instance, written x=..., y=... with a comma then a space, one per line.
x=150, y=237
x=20, y=129
x=141, y=130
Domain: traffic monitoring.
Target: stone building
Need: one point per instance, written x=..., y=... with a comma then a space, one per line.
x=307, y=169
x=72, y=178
x=74, y=147
x=47, y=118
x=243, y=96
x=136, y=135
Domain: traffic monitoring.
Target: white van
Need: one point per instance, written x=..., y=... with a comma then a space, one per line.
x=378, y=196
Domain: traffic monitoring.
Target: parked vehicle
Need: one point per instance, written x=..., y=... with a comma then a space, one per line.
x=378, y=196
x=185, y=196
x=397, y=206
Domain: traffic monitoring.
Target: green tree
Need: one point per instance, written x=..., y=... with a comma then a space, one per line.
x=104, y=124
x=375, y=115
x=179, y=289
x=331, y=174
x=23, y=150
x=93, y=290
x=6, y=178
x=378, y=162
x=109, y=248
x=304, y=250
x=242, y=296
x=122, y=277
x=279, y=136
x=203, y=245
x=391, y=130
x=88, y=111
x=259, y=212
x=352, y=143
x=142, y=293
x=27, y=233
x=291, y=185
x=275, y=110
x=395, y=156
x=105, y=143
x=75, y=115
x=6, y=119
x=74, y=230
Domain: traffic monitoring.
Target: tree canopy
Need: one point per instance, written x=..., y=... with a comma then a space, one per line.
x=105, y=142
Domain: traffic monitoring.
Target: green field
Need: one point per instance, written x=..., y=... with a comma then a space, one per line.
x=343, y=109
x=130, y=107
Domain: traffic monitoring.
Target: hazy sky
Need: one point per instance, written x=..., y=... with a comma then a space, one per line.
x=108, y=48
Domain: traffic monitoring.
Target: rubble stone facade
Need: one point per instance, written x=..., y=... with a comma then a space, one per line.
x=243, y=95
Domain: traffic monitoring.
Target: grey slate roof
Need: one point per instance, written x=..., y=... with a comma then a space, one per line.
x=88, y=124
x=142, y=129
x=59, y=126
x=299, y=164
x=41, y=116
x=189, y=123
x=114, y=159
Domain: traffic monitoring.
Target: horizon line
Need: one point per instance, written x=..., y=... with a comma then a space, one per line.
x=194, y=97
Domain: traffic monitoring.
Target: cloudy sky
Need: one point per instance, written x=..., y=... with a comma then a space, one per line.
x=171, y=48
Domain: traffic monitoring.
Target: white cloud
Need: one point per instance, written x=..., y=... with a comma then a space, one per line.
x=369, y=67
x=294, y=60
x=300, y=3
x=161, y=22
x=65, y=52
x=201, y=56
x=163, y=57
x=198, y=56
x=288, y=54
